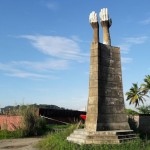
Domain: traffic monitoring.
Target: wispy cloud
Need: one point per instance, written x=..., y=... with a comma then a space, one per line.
x=77, y=39
x=125, y=48
x=136, y=40
x=128, y=42
x=43, y=65
x=146, y=21
x=126, y=60
x=56, y=46
x=60, y=50
x=32, y=70
x=52, y=6
x=9, y=70
x=127, y=45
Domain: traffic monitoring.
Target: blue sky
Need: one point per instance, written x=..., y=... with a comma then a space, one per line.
x=45, y=48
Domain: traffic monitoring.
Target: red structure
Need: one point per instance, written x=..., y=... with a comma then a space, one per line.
x=83, y=117
x=10, y=123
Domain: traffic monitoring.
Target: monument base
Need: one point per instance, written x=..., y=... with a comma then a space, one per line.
x=81, y=136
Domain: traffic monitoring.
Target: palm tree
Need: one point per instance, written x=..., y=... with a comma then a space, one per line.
x=135, y=95
x=146, y=86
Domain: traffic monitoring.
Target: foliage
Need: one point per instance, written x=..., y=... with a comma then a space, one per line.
x=52, y=127
x=14, y=110
x=131, y=112
x=135, y=95
x=146, y=84
x=144, y=109
x=5, y=134
x=57, y=141
x=32, y=124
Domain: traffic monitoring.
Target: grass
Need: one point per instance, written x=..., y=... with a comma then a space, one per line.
x=5, y=134
x=53, y=128
x=57, y=141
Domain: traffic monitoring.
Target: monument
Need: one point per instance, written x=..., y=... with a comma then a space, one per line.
x=106, y=121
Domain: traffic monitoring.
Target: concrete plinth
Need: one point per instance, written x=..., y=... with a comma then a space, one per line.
x=81, y=136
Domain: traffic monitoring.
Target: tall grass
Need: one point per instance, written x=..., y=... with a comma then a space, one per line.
x=57, y=141
x=32, y=124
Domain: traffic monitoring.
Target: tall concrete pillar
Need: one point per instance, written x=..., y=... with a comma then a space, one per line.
x=105, y=109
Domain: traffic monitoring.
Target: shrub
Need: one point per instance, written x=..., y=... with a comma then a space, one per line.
x=32, y=124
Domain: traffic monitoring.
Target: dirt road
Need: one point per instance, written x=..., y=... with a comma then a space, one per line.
x=19, y=144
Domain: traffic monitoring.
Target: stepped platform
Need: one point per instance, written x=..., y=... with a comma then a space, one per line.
x=81, y=136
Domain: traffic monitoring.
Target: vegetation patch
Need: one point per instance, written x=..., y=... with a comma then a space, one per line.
x=57, y=141
x=5, y=134
x=31, y=124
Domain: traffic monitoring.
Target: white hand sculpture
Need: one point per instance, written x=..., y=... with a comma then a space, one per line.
x=93, y=17
x=94, y=23
x=105, y=23
x=104, y=17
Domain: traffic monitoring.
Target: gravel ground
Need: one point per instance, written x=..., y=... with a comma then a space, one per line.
x=19, y=144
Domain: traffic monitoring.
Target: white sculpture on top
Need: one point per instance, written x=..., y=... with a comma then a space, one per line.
x=94, y=23
x=105, y=23
x=93, y=17
x=104, y=16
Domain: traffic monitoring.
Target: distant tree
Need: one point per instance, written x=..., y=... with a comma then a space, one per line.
x=131, y=112
x=144, y=109
x=15, y=110
x=146, y=85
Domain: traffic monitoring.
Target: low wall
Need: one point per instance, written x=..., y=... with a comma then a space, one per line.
x=144, y=123
x=10, y=123
x=140, y=123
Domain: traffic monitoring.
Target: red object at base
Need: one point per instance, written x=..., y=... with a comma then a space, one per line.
x=83, y=117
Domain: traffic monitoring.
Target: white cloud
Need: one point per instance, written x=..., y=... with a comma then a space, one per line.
x=52, y=6
x=125, y=48
x=9, y=70
x=126, y=60
x=23, y=74
x=146, y=21
x=76, y=38
x=61, y=51
x=136, y=40
x=45, y=65
x=34, y=70
x=129, y=42
x=56, y=46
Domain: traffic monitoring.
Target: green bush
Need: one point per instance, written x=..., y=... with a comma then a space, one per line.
x=32, y=124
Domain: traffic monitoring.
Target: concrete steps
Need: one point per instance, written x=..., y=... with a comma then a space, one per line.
x=80, y=136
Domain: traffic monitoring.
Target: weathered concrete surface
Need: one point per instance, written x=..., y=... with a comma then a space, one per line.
x=105, y=103
x=81, y=136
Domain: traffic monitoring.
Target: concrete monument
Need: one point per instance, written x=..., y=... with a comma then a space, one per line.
x=106, y=121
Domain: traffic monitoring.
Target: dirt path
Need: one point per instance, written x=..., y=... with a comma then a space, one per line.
x=19, y=144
